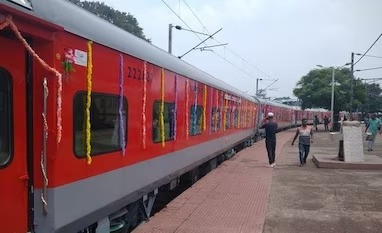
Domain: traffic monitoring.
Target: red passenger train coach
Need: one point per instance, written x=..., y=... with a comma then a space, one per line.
x=95, y=120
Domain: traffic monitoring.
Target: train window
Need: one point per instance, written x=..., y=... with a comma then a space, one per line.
x=228, y=116
x=104, y=119
x=215, y=119
x=235, y=117
x=169, y=121
x=196, y=121
x=6, y=141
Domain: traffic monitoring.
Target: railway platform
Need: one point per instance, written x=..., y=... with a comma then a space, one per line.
x=244, y=195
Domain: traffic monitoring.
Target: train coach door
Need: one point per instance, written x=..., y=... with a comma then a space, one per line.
x=13, y=146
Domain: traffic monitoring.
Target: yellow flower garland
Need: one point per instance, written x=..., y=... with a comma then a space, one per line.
x=88, y=102
x=187, y=99
x=205, y=107
x=238, y=117
x=225, y=114
x=161, y=119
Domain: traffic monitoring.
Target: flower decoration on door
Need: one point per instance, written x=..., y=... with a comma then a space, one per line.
x=68, y=62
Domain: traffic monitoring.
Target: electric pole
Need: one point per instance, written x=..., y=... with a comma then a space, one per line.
x=170, y=38
x=257, y=85
x=351, y=85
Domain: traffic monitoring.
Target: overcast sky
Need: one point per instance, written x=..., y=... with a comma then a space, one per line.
x=283, y=38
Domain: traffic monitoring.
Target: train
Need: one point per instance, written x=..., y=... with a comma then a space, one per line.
x=95, y=121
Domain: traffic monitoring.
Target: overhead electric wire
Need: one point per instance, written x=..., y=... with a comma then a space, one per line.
x=374, y=68
x=270, y=85
x=234, y=53
x=369, y=55
x=243, y=71
x=368, y=49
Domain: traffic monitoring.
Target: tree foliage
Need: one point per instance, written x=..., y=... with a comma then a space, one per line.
x=373, y=99
x=124, y=20
x=314, y=90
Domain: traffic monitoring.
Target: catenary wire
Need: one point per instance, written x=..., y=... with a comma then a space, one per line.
x=225, y=59
x=230, y=50
x=368, y=49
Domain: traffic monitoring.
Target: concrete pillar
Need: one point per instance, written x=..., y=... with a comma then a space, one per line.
x=353, y=144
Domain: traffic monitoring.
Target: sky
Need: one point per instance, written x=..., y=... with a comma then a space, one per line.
x=267, y=39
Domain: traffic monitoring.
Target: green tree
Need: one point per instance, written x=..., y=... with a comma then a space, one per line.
x=314, y=90
x=124, y=20
x=373, y=99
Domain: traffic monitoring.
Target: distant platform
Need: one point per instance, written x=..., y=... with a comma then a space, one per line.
x=372, y=162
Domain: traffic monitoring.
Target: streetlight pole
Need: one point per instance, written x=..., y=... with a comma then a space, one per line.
x=332, y=98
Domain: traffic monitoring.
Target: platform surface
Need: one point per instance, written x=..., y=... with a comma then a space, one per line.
x=232, y=198
x=243, y=195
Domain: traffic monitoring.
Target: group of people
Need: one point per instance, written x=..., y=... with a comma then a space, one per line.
x=304, y=133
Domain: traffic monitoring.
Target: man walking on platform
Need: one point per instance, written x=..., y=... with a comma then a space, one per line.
x=326, y=123
x=373, y=127
x=270, y=127
x=305, y=134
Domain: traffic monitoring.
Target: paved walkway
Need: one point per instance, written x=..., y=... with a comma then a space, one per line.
x=232, y=198
x=243, y=195
x=312, y=200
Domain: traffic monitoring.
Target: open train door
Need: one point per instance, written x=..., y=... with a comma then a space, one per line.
x=13, y=137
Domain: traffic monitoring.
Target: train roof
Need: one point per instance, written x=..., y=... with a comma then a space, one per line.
x=268, y=102
x=80, y=22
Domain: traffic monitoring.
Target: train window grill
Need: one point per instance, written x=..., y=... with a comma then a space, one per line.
x=104, y=119
x=169, y=121
x=6, y=140
x=196, y=121
x=215, y=119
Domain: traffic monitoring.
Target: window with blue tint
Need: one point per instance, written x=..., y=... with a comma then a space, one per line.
x=104, y=120
x=196, y=121
x=6, y=141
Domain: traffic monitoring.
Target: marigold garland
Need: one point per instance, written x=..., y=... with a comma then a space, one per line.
x=161, y=117
x=217, y=111
x=88, y=102
x=144, y=104
x=246, y=114
x=43, y=151
x=222, y=112
x=238, y=114
x=225, y=114
x=176, y=106
x=251, y=115
x=195, y=114
x=8, y=22
x=204, y=107
x=121, y=118
x=187, y=110
x=211, y=103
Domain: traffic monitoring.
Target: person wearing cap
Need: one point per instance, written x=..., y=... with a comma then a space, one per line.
x=305, y=137
x=270, y=127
